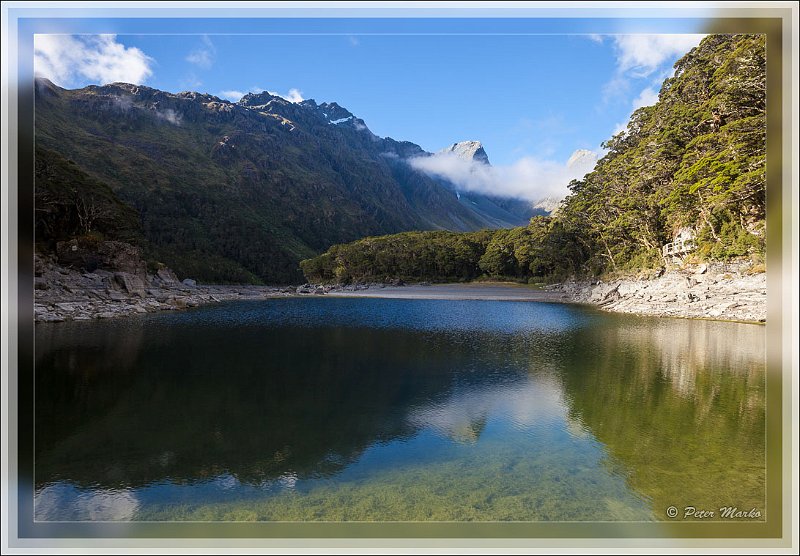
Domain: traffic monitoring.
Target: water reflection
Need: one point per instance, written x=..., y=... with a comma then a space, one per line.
x=529, y=401
x=371, y=409
x=64, y=502
x=679, y=405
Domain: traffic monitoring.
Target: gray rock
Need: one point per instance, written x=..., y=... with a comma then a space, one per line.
x=166, y=276
x=189, y=282
x=130, y=283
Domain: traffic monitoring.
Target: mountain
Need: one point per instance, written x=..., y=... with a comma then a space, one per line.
x=241, y=192
x=468, y=150
x=691, y=165
x=497, y=212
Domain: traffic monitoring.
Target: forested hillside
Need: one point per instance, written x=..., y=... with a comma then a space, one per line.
x=241, y=192
x=694, y=161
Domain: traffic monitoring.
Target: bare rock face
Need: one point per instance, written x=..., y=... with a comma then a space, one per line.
x=124, y=257
x=90, y=255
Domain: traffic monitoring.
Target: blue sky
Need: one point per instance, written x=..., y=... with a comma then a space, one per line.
x=525, y=97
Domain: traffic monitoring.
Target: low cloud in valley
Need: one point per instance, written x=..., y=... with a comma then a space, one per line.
x=528, y=178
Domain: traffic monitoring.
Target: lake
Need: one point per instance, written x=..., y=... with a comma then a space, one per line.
x=371, y=409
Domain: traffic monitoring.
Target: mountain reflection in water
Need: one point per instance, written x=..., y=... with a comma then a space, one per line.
x=375, y=409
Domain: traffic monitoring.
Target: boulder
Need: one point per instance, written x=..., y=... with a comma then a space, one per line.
x=130, y=283
x=166, y=276
x=188, y=282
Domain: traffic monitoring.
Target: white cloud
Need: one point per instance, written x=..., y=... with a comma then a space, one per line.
x=170, y=116
x=68, y=59
x=619, y=128
x=643, y=58
x=643, y=54
x=528, y=178
x=648, y=97
x=233, y=96
x=203, y=57
x=294, y=95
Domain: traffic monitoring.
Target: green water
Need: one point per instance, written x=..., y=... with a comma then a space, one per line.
x=396, y=410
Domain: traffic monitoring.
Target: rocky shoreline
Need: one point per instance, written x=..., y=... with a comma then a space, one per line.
x=710, y=291
x=720, y=292
x=65, y=294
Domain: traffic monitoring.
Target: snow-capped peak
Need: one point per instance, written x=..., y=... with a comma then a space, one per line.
x=468, y=150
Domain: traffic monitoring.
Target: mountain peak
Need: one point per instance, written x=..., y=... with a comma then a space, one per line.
x=259, y=99
x=468, y=150
x=333, y=112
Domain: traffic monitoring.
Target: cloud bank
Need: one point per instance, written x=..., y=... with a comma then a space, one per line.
x=66, y=60
x=529, y=178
